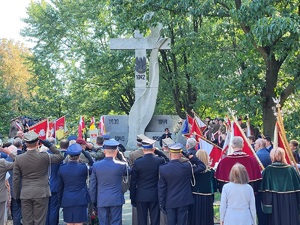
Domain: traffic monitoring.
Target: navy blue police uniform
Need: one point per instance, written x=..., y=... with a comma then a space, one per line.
x=143, y=184
x=72, y=188
x=106, y=187
x=174, y=186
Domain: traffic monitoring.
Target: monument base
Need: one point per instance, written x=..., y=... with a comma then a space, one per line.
x=117, y=127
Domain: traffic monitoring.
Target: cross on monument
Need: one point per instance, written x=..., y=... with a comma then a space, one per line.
x=145, y=93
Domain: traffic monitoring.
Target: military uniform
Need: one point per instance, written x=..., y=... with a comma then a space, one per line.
x=174, y=186
x=72, y=188
x=106, y=187
x=32, y=169
x=143, y=185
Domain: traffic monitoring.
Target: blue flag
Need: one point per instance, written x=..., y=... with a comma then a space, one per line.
x=185, y=129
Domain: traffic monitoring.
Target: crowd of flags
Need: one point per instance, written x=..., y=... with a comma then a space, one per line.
x=58, y=128
x=192, y=127
x=196, y=128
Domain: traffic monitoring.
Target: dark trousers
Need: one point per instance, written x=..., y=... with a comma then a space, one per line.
x=142, y=212
x=34, y=211
x=177, y=216
x=16, y=212
x=110, y=215
x=263, y=218
x=53, y=210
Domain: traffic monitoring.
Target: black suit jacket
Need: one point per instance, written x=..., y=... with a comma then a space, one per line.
x=144, y=178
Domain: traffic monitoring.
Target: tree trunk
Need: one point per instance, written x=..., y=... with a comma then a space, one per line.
x=268, y=93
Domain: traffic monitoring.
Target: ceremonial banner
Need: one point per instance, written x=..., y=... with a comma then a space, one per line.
x=60, y=128
x=237, y=131
x=102, y=126
x=190, y=119
x=92, y=124
x=51, y=129
x=41, y=129
x=81, y=127
x=212, y=150
x=201, y=124
x=280, y=142
x=93, y=135
x=196, y=130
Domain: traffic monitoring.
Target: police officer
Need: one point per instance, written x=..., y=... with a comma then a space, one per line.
x=143, y=185
x=72, y=187
x=174, y=185
x=32, y=168
x=106, y=185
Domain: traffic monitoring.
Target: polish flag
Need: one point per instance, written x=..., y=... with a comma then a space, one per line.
x=214, y=151
x=102, y=126
x=81, y=127
x=201, y=124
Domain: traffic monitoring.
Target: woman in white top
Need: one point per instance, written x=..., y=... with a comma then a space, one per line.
x=237, y=199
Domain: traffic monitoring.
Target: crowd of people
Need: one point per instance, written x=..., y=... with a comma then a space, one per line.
x=172, y=186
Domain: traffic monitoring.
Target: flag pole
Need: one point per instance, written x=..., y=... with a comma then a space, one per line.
x=283, y=133
x=247, y=142
x=203, y=138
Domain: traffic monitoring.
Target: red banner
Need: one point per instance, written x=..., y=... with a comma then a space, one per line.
x=41, y=129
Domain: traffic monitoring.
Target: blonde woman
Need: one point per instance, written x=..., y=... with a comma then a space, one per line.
x=202, y=212
x=237, y=199
x=280, y=189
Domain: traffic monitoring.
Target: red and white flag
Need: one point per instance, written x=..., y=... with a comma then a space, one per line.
x=200, y=123
x=102, y=126
x=41, y=129
x=212, y=150
x=81, y=127
x=196, y=131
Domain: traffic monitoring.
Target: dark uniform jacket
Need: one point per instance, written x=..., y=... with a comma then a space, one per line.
x=72, y=188
x=144, y=178
x=174, y=185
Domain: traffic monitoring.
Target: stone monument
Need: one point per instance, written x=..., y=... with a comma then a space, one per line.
x=146, y=88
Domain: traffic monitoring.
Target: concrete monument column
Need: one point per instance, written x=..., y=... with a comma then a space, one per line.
x=145, y=93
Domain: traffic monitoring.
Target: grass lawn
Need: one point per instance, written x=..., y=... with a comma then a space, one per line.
x=216, y=208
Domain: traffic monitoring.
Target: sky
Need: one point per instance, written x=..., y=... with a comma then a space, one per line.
x=11, y=12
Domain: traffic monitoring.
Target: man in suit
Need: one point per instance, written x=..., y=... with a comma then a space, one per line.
x=167, y=134
x=174, y=185
x=265, y=159
x=134, y=155
x=32, y=169
x=5, y=166
x=143, y=185
x=106, y=185
x=261, y=152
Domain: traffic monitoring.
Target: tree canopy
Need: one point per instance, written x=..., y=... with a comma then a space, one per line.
x=224, y=54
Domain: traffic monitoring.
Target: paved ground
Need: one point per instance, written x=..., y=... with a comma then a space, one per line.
x=126, y=215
